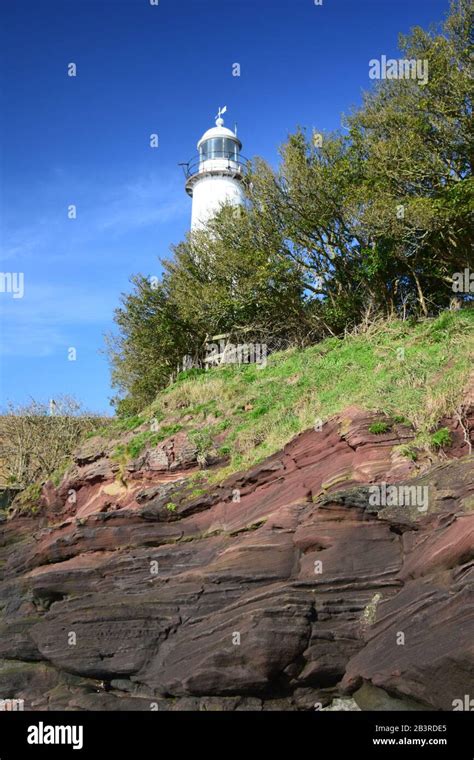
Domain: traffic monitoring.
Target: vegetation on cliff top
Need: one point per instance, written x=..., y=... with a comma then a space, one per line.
x=37, y=439
x=414, y=372
x=372, y=221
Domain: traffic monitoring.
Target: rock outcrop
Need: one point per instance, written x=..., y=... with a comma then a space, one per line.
x=311, y=581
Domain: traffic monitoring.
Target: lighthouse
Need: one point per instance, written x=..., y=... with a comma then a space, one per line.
x=215, y=176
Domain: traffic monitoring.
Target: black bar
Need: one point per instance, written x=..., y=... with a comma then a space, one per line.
x=134, y=735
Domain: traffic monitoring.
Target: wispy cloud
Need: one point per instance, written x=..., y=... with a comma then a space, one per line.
x=68, y=264
x=105, y=212
x=45, y=319
x=144, y=203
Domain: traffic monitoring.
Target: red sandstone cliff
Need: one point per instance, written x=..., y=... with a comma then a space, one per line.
x=282, y=588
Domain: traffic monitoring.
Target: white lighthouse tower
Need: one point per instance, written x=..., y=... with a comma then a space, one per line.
x=215, y=176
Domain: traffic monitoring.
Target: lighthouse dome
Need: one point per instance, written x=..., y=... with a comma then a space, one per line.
x=219, y=131
x=219, y=135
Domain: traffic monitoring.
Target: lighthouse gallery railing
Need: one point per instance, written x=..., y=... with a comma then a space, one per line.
x=238, y=161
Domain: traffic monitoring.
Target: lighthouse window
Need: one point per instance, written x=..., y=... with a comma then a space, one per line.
x=229, y=148
x=218, y=147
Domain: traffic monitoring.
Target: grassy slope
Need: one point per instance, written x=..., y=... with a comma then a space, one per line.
x=415, y=371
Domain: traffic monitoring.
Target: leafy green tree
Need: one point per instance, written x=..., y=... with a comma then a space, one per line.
x=415, y=143
x=151, y=342
x=232, y=278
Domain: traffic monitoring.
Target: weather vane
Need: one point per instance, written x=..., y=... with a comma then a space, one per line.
x=220, y=112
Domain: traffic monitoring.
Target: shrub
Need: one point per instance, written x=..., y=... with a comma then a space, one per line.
x=378, y=428
x=441, y=438
x=37, y=440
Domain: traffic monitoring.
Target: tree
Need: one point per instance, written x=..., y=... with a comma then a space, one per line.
x=415, y=142
x=152, y=340
x=231, y=277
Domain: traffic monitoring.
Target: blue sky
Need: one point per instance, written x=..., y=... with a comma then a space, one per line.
x=84, y=140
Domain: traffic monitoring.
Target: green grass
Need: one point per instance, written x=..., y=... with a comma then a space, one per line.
x=246, y=413
x=399, y=419
x=441, y=438
x=202, y=439
x=27, y=501
x=416, y=386
x=145, y=439
x=408, y=451
x=57, y=476
x=115, y=427
x=197, y=492
x=377, y=428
